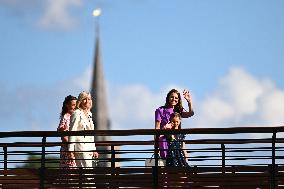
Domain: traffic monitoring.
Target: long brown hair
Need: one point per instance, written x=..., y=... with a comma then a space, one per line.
x=66, y=101
x=178, y=108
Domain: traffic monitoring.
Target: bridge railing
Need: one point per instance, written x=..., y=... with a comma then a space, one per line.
x=247, y=157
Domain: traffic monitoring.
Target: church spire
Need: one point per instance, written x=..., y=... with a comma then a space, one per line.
x=98, y=92
x=98, y=89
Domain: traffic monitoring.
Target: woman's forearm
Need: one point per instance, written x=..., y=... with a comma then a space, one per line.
x=190, y=111
x=64, y=139
x=157, y=124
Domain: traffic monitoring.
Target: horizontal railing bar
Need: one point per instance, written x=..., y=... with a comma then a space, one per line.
x=120, y=143
x=231, y=150
x=134, y=132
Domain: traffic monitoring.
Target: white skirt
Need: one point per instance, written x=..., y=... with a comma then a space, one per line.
x=84, y=159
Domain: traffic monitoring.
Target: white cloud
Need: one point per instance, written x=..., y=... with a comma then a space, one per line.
x=272, y=107
x=239, y=100
x=133, y=104
x=241, y=90
x=46, y=14
x=57, y=14
x=242, y=99
x=216, y=109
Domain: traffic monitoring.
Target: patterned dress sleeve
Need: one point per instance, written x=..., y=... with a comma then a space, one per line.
x=63, y=124
x=158, y=115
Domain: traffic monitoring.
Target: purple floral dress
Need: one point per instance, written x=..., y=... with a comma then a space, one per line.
x=162, y=115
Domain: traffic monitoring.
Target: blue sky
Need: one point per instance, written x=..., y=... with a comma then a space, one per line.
x=229, y=54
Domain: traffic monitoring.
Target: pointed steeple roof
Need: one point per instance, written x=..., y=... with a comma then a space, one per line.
x=98, y=91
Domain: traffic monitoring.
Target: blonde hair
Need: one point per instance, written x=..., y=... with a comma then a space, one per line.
x=83, y=95
x=173, y=115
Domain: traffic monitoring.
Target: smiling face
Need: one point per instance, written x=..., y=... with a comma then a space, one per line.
x=71, y=106
x=175, y=122
x=173, y=99
x=87, y=103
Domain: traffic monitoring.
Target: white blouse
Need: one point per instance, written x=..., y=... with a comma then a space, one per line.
x=79, y=122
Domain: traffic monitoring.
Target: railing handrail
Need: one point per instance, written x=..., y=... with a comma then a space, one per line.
x=149, y=142
x=133, y=132
x=223, y=155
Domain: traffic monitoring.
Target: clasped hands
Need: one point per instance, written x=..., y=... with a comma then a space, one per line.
x=94, y=155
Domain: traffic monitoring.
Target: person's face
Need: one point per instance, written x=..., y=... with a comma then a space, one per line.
x=71, y=106
x=175, y=122
x=173, y=99
x=87, y=103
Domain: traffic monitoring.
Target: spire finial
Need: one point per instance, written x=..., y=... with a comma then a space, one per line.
x=97, y=13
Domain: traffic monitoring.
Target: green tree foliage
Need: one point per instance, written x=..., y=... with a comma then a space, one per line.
x=34, y=161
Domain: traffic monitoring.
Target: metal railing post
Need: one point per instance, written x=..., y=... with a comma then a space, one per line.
x=223, y=157
x=156, y=156
x=80, y=177
x=112, y=166
x=112, y=158
x=42, y=167
x=223, y=162
x=273, y=166
x=5, y=150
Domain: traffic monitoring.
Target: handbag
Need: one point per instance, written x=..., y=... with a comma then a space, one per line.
x=95, y=162
x=151, y=162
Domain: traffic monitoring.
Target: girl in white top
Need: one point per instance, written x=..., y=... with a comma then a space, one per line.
x=82, y=148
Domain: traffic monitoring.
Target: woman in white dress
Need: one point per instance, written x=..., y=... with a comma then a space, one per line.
x=82, y=148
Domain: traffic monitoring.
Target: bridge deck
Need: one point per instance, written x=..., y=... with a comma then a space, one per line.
x=243, y=177
x=234, y=161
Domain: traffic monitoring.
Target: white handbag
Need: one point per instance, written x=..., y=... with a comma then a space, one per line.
x=151, y=162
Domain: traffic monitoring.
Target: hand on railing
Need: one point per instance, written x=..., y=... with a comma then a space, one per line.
x=71, y=155
x=95, y=155
x=168, y=126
